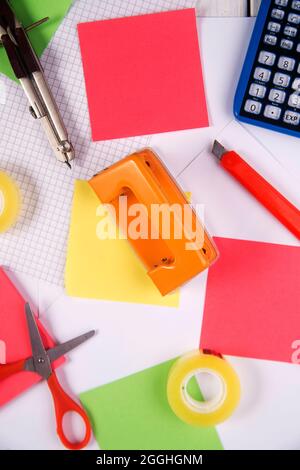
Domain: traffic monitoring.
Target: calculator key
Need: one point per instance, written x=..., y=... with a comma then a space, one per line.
x=278, y=96
x=296, y=5
x=278, y=14
x=282, y=3
x=294, y=101
x=298, y=47
x=291, y=117
x=296, y=84
x=286, y=44
x=294, y=18
x=286, y=63
x=272, y=112
x=274, y=27
x=281, y=79
x=258, y=91
x=271, y=40
x=267, y=58
x=253, y=107
x=290, y=31
x=262, y=74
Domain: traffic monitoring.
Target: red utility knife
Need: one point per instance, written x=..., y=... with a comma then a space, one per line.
x=267, y=195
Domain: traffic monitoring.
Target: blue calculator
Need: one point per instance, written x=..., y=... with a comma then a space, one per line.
x=268, y=93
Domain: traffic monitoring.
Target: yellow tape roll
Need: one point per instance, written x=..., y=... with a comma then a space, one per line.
x=10, y=202
x=205, y=413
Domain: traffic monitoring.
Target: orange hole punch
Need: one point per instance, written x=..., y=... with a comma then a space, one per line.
x=168, y=257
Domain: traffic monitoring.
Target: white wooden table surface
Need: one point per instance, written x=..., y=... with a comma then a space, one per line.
x=228, y=7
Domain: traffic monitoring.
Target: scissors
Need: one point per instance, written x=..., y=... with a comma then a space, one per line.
x=40, y=363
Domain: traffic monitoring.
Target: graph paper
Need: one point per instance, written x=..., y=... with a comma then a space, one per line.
x=37, y=244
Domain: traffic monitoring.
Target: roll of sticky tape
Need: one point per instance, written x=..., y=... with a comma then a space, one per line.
x=10, y=202
x=203, y=413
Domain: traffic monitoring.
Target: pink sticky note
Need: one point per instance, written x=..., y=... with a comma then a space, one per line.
x=143, y=74
x=252, y=306
x=14, y=339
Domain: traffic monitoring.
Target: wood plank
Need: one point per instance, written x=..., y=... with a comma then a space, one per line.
x=255, y=4
x=221, y=7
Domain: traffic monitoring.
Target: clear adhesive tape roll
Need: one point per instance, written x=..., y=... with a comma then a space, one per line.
x=203, y=413
x=10, y=202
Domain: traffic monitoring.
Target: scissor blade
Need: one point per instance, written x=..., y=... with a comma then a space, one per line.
x=39, y=355
x=64, y=348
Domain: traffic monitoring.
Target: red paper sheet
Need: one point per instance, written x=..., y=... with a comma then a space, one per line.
x=143, y=74
x=14, y=339
x=252, y=306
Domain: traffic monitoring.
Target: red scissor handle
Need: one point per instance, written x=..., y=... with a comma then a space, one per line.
x=64, y=404
x=7, y=370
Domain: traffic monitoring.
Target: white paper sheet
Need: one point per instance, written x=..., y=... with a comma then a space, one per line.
x=230, y=210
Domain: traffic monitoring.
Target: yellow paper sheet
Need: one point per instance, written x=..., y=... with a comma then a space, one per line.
x=105, y=269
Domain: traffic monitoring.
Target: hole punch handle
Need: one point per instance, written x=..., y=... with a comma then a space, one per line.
x=170, y=260
x=64, y=404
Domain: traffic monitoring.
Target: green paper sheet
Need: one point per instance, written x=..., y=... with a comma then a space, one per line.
x=30, y=11
x=133, y=413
